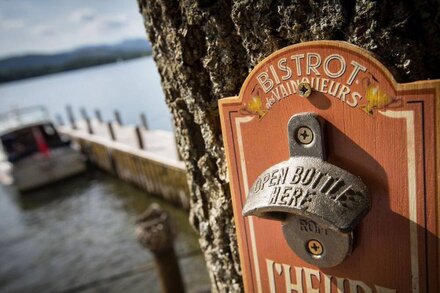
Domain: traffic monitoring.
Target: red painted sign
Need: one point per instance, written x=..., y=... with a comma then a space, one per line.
x=384, y=132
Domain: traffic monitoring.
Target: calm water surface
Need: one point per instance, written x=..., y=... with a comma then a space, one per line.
x=131, y=87
x=81, y=231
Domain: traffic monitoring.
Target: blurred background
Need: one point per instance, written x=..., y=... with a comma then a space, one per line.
x=77, y=234
x=73, y=37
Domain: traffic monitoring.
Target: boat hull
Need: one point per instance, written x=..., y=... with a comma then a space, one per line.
x=39, y=170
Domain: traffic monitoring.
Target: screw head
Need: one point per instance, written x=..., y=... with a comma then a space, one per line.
x=314, y=247
x=304, y=89
x=304, y=135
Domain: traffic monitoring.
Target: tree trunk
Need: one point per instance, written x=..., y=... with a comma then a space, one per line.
x=204, y=51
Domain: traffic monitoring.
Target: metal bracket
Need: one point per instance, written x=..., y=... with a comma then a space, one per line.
x=319, y=204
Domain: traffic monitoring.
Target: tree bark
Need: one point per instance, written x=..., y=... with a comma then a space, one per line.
x=204, y=51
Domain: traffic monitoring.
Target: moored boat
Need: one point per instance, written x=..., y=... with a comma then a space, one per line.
x=33, y=149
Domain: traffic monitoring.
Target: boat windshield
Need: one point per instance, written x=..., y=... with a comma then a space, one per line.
x=28, y=141
x=19, y=118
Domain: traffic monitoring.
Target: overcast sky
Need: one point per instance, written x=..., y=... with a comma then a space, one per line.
x=57, y=25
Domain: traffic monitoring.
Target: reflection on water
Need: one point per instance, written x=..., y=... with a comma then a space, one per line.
x=80, y=231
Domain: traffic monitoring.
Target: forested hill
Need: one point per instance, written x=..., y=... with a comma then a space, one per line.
x=31, y=65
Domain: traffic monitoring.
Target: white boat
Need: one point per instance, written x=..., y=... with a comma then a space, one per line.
x=32, y=153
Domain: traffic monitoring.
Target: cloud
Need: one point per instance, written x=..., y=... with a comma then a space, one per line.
x=9, y=24
x=82, y=15
x=111, y=22
x=43, y=30
x=87, y=19
x=51, y=28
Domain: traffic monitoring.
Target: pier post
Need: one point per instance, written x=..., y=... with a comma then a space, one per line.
x=111, y=131
x=144, y=121
x=154, y=231
x=87, y=119
x=139, y=137
x=98, y=115
x=117, y=117
x=71, y=117
x=59, y=120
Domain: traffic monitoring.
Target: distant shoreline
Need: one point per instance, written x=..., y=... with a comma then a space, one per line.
x=30, y=65
x=6, y=77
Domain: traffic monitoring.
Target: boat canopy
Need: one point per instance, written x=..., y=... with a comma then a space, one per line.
x=22, y=117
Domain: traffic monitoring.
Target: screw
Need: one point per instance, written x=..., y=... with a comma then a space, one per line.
x=304, y=135
x=304, y=89
x=315, y=248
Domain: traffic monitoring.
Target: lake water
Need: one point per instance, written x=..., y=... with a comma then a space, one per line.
x=131, y=87
x=77, y=235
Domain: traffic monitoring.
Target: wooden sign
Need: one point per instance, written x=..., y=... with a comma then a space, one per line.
x=384, y=132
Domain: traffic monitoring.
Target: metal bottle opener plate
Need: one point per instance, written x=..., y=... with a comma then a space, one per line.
x=319, y=203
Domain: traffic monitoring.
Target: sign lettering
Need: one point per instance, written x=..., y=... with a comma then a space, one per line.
x=308, y=280
x=297, y=186
x=282, y=83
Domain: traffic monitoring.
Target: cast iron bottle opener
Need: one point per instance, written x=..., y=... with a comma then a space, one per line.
x=318, y=203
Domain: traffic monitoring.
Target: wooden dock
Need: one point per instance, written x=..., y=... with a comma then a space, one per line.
x=146, y=158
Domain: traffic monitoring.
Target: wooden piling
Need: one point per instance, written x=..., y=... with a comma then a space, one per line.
x=87, y=120
x=111, y=131
x=59, y=120
x=144, y=121
x=154, y=231
x=98, y=115
x=71, y=117
x=139, y=137
x=117, y=117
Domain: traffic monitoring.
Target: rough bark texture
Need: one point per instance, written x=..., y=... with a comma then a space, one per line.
x=205, y=49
